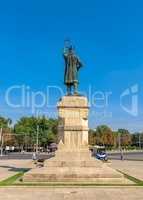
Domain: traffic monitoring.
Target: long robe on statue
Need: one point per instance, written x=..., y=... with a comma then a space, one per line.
x=72, y=65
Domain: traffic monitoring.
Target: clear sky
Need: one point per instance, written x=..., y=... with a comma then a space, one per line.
x=108, y=36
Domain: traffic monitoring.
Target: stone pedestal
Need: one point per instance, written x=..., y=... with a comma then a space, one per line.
x=73, y=123
x=73, y=162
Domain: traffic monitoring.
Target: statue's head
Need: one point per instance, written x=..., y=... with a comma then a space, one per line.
x=71, y=50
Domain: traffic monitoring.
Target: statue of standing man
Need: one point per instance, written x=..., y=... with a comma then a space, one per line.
x=72, y=66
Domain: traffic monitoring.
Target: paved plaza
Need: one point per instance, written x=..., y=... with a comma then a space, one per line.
x=132, y=168
x=71, y=193
x=11, y=167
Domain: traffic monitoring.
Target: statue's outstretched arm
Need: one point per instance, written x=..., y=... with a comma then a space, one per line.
x=65, y=52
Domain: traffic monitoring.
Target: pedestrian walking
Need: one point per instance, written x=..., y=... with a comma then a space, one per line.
x=121, y=153
x=34, y=158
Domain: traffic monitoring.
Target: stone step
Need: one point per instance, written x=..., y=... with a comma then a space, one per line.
x=63, y=163
x=74, y=174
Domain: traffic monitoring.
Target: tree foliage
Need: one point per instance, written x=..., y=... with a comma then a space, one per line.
x=103, y=135
x=27, y=128
x=125, y=137
x=25, y=133
x=5, y=122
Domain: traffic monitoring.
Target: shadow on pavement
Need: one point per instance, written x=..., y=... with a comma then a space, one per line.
x=14, y=169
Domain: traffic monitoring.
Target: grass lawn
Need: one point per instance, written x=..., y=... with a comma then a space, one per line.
x=16, y=180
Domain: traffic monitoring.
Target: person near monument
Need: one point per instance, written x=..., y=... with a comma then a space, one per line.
x=34, y=157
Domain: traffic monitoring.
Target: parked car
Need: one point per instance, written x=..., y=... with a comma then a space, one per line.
x=99, y=152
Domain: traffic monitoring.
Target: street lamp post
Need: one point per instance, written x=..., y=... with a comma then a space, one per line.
x=139, y=140
x=120, y=148
x=119, y=141
x=1, y=139
x=37, y=139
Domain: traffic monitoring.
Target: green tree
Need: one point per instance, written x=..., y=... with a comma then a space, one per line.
x=116, y=139
x=5, y=122
x=92, y=137
x=137, y=140
x=26, y=130
x=105, y=135
x=125, y=137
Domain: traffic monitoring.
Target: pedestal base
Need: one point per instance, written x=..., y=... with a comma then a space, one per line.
x=75, y=167
x=73, y=162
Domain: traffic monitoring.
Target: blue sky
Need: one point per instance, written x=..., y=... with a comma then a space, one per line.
x=108, y=36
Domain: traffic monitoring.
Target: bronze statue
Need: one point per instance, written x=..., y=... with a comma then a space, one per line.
x=72, y=65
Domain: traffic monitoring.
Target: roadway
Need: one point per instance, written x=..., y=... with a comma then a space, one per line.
x=25, y=156
x=127, y=156
x=111, y=156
